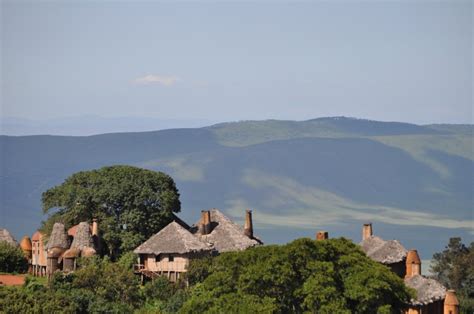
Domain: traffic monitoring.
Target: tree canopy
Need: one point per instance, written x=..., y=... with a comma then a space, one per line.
x=331, y=276
x=454, y=268
x=130, y=203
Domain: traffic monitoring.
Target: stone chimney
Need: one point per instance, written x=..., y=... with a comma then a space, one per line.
x=95, y=227
x=322, y=235
x=366, y=231
x=451, y=303
x=248, y=227
x=413, y=264
x=205, y=222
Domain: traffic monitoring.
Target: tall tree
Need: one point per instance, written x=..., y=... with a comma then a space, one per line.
x=131, y=203
x=454, y=267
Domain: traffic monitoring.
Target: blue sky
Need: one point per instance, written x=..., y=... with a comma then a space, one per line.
x=390, y=60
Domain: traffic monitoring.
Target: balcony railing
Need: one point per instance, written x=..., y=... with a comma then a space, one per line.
x=138, y=267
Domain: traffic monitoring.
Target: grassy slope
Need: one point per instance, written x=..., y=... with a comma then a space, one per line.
x=305, y=173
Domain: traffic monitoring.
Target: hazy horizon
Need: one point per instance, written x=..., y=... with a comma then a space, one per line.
x=88, y=125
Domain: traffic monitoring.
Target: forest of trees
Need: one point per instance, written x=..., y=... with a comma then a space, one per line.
x=329, y=276
x=305, y=275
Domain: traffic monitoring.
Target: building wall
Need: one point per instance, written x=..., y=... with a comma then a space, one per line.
x=38, y=253
x=431, y=308
x=162, y=262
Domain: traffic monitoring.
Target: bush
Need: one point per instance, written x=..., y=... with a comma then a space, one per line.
x=12, y=259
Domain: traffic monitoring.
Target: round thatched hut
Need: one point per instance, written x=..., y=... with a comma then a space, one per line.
x=58, y=243
x=5, y=236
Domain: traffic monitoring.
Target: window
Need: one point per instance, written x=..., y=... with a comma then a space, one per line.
x=157, y=258
x=171, y=258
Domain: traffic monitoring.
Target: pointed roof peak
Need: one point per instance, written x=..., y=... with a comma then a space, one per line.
x=172, y=239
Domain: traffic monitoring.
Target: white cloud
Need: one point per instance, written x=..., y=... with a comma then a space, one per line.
x=157, y=79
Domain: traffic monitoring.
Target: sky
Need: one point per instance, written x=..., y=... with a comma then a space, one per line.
x=401, y=60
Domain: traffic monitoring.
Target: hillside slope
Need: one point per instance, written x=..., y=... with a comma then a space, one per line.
x=414, y=182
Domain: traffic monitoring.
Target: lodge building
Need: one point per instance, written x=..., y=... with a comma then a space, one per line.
x=169, y=251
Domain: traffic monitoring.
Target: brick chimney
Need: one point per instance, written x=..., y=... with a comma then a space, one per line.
x=248, y=227
x=95, y=227
x=205, y=222
x=322, y=235
x=366, y=231
x=413, y=264
x=451, y=303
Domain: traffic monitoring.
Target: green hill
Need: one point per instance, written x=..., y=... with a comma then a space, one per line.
x=413, y=182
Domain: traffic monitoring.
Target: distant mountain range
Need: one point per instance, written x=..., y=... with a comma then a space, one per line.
x=414, y=182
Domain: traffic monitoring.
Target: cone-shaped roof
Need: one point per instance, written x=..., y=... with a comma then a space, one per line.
x=82, y=237
x=6, y=236
x=25, y=244
x=58, y=237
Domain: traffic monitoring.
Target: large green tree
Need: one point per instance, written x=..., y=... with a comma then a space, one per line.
x=130, y=203
x=454, y=267
x=331, y=276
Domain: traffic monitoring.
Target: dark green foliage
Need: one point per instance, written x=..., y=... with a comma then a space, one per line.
x=130, y=203
x=317, y=276
x=98, y=287
x=162, y=296
x=12, y=258
x=454, y=268
x=332, y=276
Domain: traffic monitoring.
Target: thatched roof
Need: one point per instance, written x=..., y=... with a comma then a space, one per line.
x=225, y=235
x=181, y=222
x=25, y=244
x=6, y=236
x=385, y=252
x=82, y=237
x=58, y=237
x=427, y=290
x=72, y=253
x=72, y=231
x=172, y=239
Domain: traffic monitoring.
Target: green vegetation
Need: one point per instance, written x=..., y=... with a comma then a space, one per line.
x=454, y=268
x=131, y=204
x=12, y=259
x=98, y=287
x=332, y=276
